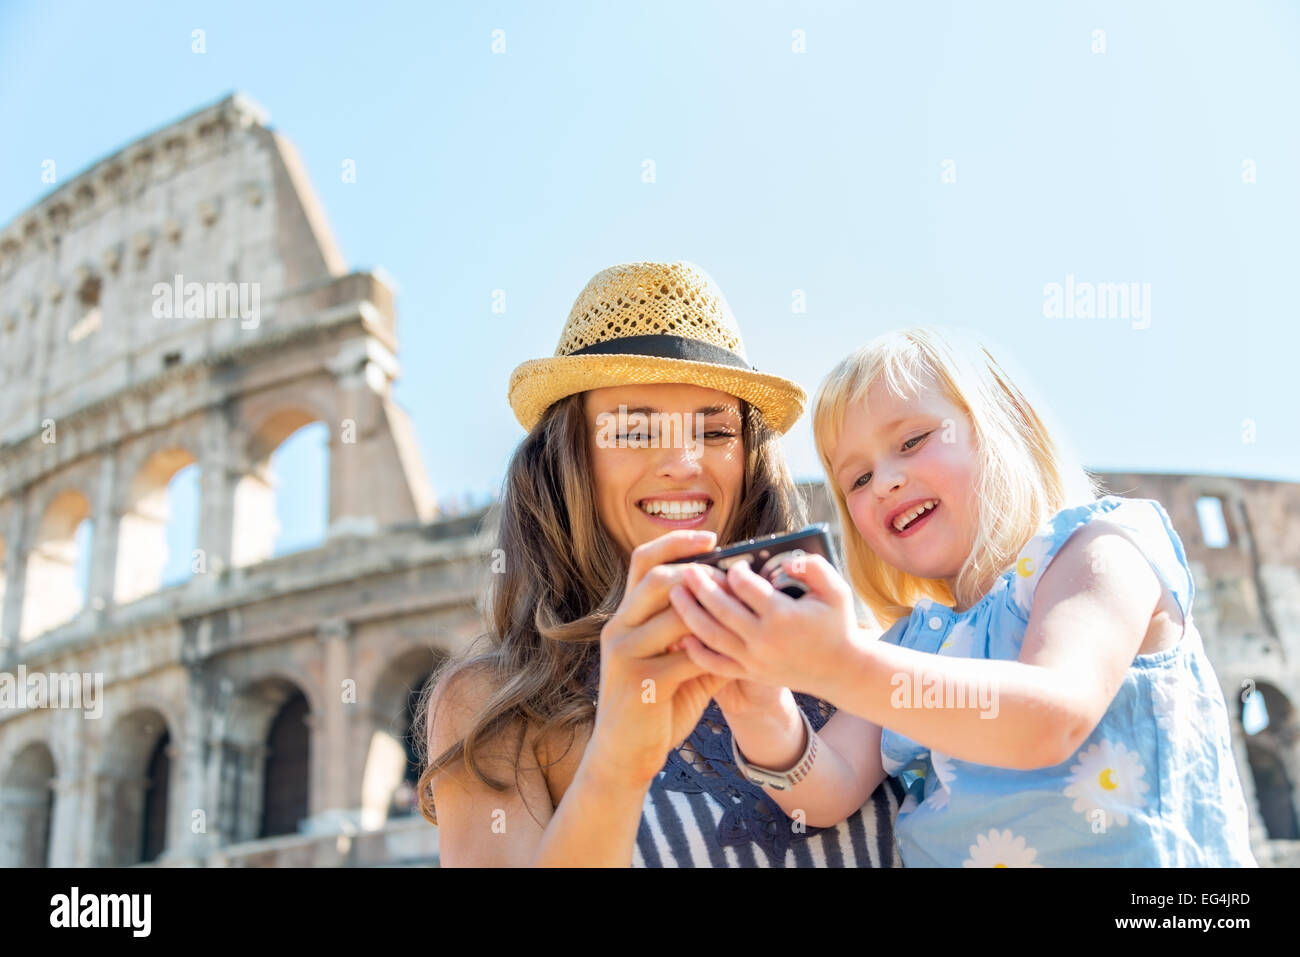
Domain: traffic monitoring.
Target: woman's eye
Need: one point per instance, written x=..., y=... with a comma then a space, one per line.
x=911, y=443
x=720, y=434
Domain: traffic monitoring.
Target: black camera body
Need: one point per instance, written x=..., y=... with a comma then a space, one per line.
x=766, y=554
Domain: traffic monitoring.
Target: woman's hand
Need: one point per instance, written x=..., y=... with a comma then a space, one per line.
x=752, y=632
x=651, y=694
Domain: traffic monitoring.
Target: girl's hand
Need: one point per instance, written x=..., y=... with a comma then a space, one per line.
x=739, y=698
x=651, y=694
x=758, y=634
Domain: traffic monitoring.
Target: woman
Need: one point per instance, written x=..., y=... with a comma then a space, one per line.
x=650, y=439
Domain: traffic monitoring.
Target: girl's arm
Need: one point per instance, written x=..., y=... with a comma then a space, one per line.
x=764, y=719
x=1090, y=613
x=844, y=773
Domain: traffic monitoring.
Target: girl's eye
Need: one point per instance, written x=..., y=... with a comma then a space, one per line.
x=720, y=434
x=865, y=477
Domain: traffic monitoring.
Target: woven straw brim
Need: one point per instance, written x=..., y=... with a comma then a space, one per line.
x=536, y=384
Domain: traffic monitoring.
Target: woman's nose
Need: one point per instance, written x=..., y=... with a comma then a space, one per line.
x=680, y=458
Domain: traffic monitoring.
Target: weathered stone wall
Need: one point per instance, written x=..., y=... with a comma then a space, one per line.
x=216, y=197
x=104, y=401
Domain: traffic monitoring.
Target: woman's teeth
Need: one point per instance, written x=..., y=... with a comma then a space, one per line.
x=903, y=520
x=666, y=509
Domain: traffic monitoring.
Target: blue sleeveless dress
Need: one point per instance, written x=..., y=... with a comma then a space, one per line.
x=700, y=812
x=1154, y=785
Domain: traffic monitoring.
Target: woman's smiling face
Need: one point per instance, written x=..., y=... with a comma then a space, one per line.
x=910, y=456
x=673, y=458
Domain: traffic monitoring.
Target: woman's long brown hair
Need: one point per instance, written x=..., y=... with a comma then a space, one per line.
x=563, y=579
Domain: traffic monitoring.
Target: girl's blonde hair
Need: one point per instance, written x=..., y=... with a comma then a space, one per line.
x=1023, y=477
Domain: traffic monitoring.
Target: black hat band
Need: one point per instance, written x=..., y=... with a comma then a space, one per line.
x=666, y=347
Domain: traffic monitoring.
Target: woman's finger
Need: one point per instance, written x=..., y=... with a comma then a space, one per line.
x=703, y=625
x=666, y=548
x=651, y=593
x=669, y=671
x=730, y=612
x=653, y=637
x=710, y=660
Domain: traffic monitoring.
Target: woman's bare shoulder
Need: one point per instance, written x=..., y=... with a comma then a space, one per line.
x=457, y=704
x=463, y=691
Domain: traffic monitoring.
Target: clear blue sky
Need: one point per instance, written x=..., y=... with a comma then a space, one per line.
x=776, y=171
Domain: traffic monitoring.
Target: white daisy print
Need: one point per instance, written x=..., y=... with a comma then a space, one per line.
x=1000, y=849
x=1107, y=779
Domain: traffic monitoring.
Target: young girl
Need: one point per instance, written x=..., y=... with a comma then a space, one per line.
x=1042, y=692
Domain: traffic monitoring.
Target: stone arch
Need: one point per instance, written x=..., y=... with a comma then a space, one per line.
x=287, y=776
x=142, y=527
x=276, y=426
x=1274, y=757
x=266, y=778
x=145, y=699
x=256, y=524
x=390, y=772
x=269, y=683
x=133, y=781
x=27, y=807
x=52, y=595
x=39, y=731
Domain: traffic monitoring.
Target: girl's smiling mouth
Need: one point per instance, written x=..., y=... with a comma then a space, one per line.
x=907, y=519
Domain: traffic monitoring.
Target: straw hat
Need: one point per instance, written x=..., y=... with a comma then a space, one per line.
x=640, y=323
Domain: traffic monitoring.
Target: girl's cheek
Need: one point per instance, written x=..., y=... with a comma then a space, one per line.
x=863, y=525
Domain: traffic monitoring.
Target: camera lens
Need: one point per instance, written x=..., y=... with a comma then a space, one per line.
x=779, y=578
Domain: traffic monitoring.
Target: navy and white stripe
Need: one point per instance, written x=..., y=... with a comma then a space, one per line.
x=680, y=829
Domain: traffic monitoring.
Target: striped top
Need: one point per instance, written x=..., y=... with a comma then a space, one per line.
x=700, y=812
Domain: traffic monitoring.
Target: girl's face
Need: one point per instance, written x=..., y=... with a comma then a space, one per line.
x=906, y=454
x=674, y=458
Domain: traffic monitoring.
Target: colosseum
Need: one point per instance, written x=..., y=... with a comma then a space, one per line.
x=181, y=304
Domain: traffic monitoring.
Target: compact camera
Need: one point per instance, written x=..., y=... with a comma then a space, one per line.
x=766, y=554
